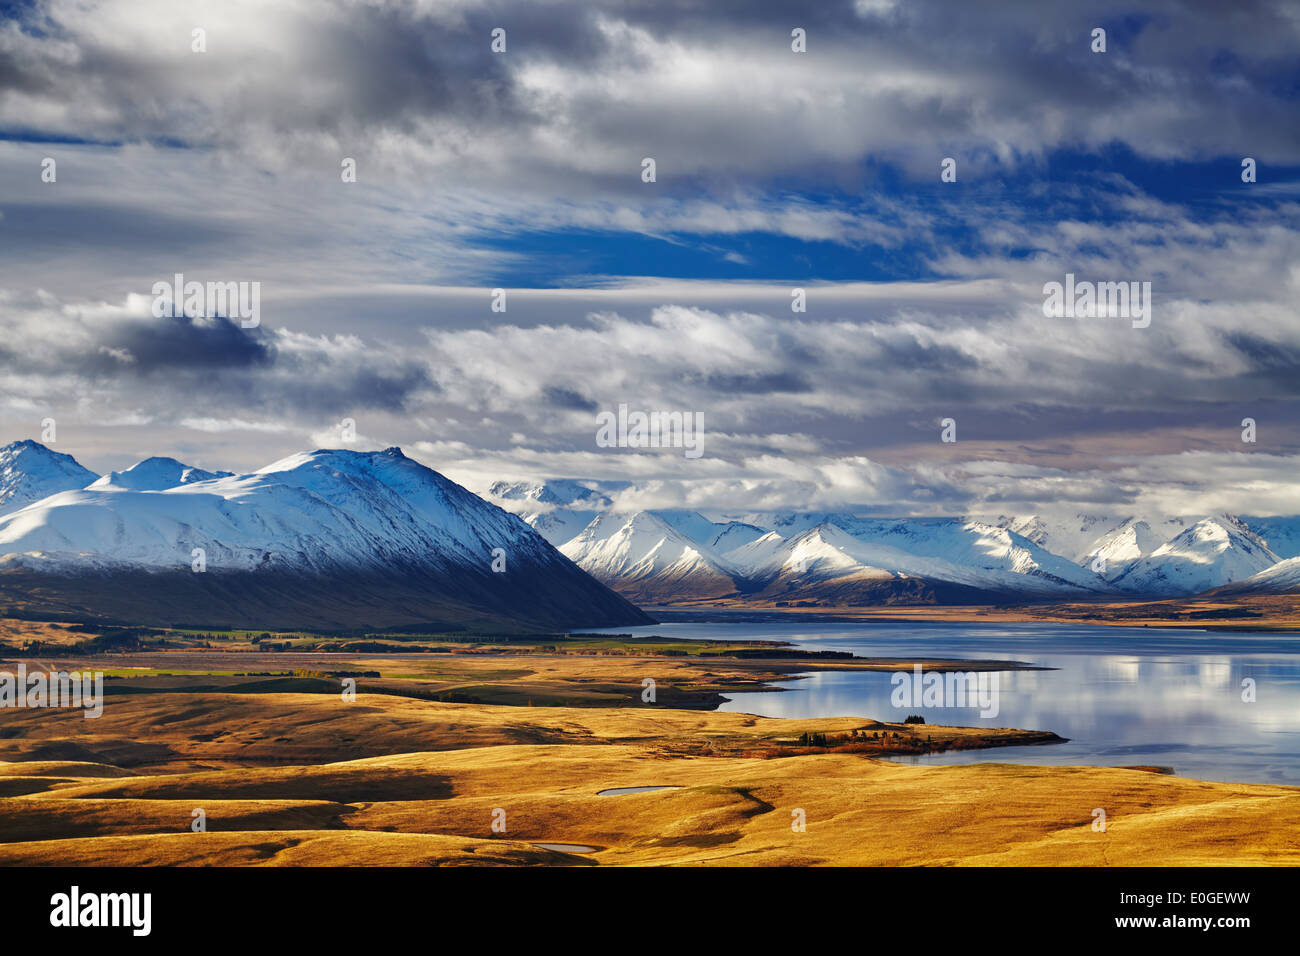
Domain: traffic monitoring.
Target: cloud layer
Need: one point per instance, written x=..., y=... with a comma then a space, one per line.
x=775, y=169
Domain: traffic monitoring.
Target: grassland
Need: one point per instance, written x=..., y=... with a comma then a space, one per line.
x=439, y=745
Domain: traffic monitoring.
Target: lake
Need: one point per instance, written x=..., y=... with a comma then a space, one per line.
x=1123, y=695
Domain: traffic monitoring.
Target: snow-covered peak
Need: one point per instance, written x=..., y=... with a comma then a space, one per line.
x=29, y=472
x=1074, y=536
x=1283, y=577
x=156, y=474
x=338, y=539
x=828, y=550
x=627, y=537
x=758, y=553
x=1117, y=548
x=556, y=491
x=643, y=554
x=968, y=553
x=692, y=524
x=559, y=526
x=734, y=534
x=321, y=509
x=1053, y=551
x=1211, y=553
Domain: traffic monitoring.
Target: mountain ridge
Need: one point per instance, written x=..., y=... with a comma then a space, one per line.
x=982, y=558
x=347, y=539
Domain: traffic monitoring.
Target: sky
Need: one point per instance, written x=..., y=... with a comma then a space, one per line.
x=775, y=170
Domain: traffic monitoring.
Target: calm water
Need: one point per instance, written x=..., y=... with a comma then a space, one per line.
x=1122, y=695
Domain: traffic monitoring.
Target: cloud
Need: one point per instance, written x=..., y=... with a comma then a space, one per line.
x=583, y=92
x=177, y=343
x=522, y=170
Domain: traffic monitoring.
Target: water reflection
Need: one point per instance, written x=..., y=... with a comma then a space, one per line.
x=1122, y=695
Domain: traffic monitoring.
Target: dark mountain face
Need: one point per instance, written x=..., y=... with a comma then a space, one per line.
x=556, y=597
x=326, y=540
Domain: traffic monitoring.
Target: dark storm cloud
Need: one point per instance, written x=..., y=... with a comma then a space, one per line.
x=170, y=365
x=1275, y=362
x=567, y=399
x=912, y=354
x=322, y=390
x=178, y=343
x=790, y=380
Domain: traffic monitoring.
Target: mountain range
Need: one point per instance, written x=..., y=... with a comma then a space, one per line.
x=347, y=540
x=328, y=539
x=663, y=557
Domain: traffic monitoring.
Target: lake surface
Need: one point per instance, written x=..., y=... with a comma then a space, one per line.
x=1123, y=695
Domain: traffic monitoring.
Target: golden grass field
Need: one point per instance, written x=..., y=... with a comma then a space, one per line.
x=310, y=779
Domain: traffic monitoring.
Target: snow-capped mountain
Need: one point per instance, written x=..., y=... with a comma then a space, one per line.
x=156, y=474
x=1281, y=578
x=827, y=565
x=326, y=538
x=557, y=510
x=647, y=559
x=1081, y=537
x=734, y=534
x=1067, y=536
x=665, y=556
x=1121, y=546
x=690, y=524
x=850, y=558
x=557, y=527
x=974, y=546
x=1211, y=553
x=947, y=551
x=1282, y=535
x=564, y=492
x=29, y=472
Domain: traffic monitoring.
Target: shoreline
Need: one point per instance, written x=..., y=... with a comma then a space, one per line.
x=1275, y=614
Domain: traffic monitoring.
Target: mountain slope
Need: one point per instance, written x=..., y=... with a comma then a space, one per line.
x=1035, y=556
x=976, y=554
x=1119, y=547
x=645, y=558
x=29, y=472
x=826, y=565
x=558, y=509
x=732, y=535
x=1281, y=534
x=1211, y=553
x=325, y=539
x=953, y=559
x=1070, y=536
x=562, y=492
x=1281, y=578
x=156, y=474
x=561, y=526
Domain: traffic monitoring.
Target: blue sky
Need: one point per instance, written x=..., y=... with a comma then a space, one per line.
x=521, y=170
x=1067, y=184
